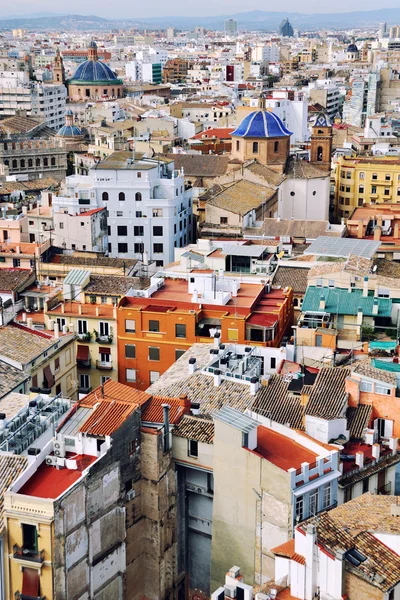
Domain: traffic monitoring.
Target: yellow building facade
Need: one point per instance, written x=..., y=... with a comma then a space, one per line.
x=365, y=180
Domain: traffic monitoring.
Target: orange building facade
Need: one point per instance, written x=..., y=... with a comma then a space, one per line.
x=154, y=332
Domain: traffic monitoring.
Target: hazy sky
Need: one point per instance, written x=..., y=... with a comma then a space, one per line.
x=148, y=8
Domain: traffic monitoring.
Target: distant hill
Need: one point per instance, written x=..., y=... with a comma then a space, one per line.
x=253, y=20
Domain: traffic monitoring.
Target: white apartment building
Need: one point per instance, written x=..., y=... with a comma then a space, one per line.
x=326, y=93
x=293, y=113
x=149, y=210
x=47, y=100
x=266, y=52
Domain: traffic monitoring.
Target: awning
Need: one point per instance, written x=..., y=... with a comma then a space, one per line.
x=82, y=353
x=30, y=582
x=104, y=351
x=49, y=377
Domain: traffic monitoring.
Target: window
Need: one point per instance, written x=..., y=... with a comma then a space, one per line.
x=119, y=213
x=122, y=230
x=138, y=214
x=154, y=375
x=130, y=326
x=179, y=353
x=122, y=248
x=158, y=248
x=138, y=230
x=360, y=202
x=374, y=176
x=348, y=493
x=154, y=353
x=30, y=163
x=273, y=362
x=82, y=327
x=360, y=189
x=299, y=508
x=365, y=485
x=223, y=220
x=193, y=448
x=29, y=537
x=373, y=189
x=138, y=197
x=84, y=381
x=313, y=498
x=61, y=225
x=157, y=231
x=180, y=330
x=60, y=323
x=121, y=197
x=16, y=262
x=387, y=177
x=130, y=375
x=348, y=174
x=104, y=196
x=347, y=189
x=138, y=248
x=382, y=389
x=154, y=325
x=237, y=145
x=366, y=386
x=255, y=147
x=157, y=212
x=320, y=154
x=104, y=329
x=327, y=495
x=276, y=146
x=130, y=351
x=103, y=299
x=387, y=192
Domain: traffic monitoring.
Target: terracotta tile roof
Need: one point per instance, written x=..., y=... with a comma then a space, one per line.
x=11, y=467
x=10, y=378
x=110, y=285
x=364, y=367
x=295, y=277
x=22, y=344
x=88, y=261
x=382, y=560
x=215, y=132
x=113, y=390
x=270, y=176
x=12, y=279
x=241, y=197
x=201, y=165
x=107, y=417
x=299, y=558
x=328, y=399
x=285, y=549
x=153, y=412
x=296, y=228
x=358, y=419
x=195, y=428
x=275, y=402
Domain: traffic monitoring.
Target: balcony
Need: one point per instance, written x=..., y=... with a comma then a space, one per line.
x=19, y=596
x=85, y=337
x=104, y=365
x=84, y=363
x=84, y=390
x=31, y=555
x=104, y=339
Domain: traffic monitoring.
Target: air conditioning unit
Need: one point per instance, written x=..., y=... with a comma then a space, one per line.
x=59, y=448
x=130, y=495
x=244, y=591
x=51, y=461
x=230, y=591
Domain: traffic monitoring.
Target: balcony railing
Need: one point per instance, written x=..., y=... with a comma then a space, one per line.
x=25, y=554
x=104, y=339
x=84, y=363
x=19, y=596
x=85, y=337
x=104, y=365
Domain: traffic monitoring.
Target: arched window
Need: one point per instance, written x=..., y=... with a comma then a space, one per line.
x=138, y=197
x=6, y=162
x=121, y=196
x=14, y=164
x=22, y=163
x=295, y=302
x=30, y=163
x=53, y=161
x=45, y=162
x=320, y=153
x=255, y=147
x=237, y=145
x=38, y=162
x=104, y=196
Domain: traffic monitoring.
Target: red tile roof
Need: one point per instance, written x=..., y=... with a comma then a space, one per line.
x=107, y=417
x=218, y=132
x=285, y=549
x=113, y=390
x=153, y=411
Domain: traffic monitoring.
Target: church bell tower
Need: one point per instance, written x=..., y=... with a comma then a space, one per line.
x=58, y=69
x=321, y=142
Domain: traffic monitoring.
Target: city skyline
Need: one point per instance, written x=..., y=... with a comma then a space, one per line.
x=157, y=8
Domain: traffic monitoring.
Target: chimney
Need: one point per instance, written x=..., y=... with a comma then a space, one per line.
x=185, y=403
x=217, y=339
x=360, y=229
x=322, y=303
x=29, y=322
x=217, y=378
x=379, y=221
x=254, y=386
x=376, y=451
x=3, y=420
x=375, y=306
x=360, y=459
x=393, y=441
x=365, y=287
x=166, y=408
x=192, y=365
x=195, y=297
x=377, y=233
x=359, y=316
x=56, y=330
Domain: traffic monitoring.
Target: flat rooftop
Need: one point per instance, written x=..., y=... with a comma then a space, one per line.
x=282, y=451
x=342, y=247
x=51, y=482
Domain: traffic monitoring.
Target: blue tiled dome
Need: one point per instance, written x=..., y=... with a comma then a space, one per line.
x=352, y=48
x=69, y=131
x=94, y=72
x=261, y=124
